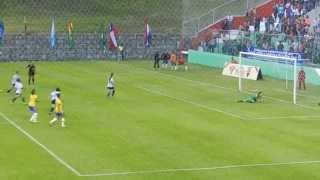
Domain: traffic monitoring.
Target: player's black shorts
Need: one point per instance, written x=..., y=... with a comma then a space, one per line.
x=31, y=73
x=110, y=88
x=53, y=101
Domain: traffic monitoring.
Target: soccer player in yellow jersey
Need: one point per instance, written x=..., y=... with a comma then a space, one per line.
x=32, y=106
x=58, y=111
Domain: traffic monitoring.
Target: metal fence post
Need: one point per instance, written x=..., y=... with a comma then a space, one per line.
x=247, y=4
x=198, y=25
x=213, y=13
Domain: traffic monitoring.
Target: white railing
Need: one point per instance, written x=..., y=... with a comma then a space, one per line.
x=233, y=7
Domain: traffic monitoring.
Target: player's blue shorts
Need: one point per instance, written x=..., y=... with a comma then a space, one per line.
x=59, y=114
x=32, y=109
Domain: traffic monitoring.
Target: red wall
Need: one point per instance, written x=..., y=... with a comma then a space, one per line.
x=264, y=10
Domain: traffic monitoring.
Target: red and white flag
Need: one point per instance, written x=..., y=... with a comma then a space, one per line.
x=112, y=37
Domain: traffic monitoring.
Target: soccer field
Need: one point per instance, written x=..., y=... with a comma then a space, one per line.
x=160, y=125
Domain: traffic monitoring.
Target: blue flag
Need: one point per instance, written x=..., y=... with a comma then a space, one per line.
x=53, y=38
x=1, y=31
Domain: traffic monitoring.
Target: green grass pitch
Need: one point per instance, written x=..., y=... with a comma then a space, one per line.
x=160, y=125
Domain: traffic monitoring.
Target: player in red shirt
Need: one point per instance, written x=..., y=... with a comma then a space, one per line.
x=302, y=78
x=173, y=60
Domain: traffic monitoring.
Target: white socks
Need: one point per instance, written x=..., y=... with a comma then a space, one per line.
x=62, y=123
x=34, y=117
x=55, y=119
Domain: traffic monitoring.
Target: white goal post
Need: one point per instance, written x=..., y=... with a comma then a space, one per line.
x=287, y=59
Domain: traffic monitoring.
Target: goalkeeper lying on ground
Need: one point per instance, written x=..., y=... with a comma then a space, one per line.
x=252, y=99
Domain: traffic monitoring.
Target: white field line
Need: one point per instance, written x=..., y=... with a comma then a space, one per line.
x=193, y=103
x=184, y=170
x=213, y=85
x=224, y=112
x=222, y=87
x=284, y=101
x=29, y=136
x=289, y=117
x=302, y=95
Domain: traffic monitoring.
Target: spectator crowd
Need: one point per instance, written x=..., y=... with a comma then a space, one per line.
x=289, y=28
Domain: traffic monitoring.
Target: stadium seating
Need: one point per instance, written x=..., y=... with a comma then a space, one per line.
x=289, y=28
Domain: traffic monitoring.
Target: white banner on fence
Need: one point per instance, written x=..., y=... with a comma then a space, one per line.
x=317, y=71
x=247, y=72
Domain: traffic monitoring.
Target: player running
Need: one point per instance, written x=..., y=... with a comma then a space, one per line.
x=53, y=99
x=58, y=111
x=14, y=79
x=19, y=89
x=111, y=86
x=33, y=99
x=31, y=73
x=252, y=99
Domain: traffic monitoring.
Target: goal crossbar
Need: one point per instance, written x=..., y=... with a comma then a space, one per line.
x=268, y=56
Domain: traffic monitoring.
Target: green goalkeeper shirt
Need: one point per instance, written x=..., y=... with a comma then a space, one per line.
x=253, y=98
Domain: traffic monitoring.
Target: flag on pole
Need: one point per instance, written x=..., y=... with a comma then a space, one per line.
x=112, y=37
x=102, y=34
x=53, y=38
x=181, y=48
x=70, y=34
x=25, y=25
x=1, y=32
x=147, y=34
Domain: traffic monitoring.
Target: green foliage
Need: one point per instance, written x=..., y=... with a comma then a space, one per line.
x=164, y=15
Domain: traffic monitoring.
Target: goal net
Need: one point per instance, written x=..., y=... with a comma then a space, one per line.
x=276, y=76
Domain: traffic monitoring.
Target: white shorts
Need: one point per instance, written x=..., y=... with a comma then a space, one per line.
x=19, y=92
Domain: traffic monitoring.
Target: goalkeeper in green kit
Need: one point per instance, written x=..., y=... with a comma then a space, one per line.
x=252, y=99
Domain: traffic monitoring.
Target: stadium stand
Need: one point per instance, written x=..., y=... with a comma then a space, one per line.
x=287, y=27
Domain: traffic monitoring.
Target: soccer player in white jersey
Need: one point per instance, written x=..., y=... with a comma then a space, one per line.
x=53, y=97
x=111, y=85
x=19, y=89
x=14, y=79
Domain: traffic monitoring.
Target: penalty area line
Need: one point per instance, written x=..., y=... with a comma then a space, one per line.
x=221, y=87
x=184, y=170
x=51, y=153
x=288, y=117
x=193, y=103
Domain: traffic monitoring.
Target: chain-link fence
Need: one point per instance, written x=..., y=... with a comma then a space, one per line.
x=28, y=25
x=188, y=16
x=28, y=22
x=88, y=15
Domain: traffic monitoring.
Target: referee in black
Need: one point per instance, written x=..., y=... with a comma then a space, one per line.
x=157, y=58
x=31, y=73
